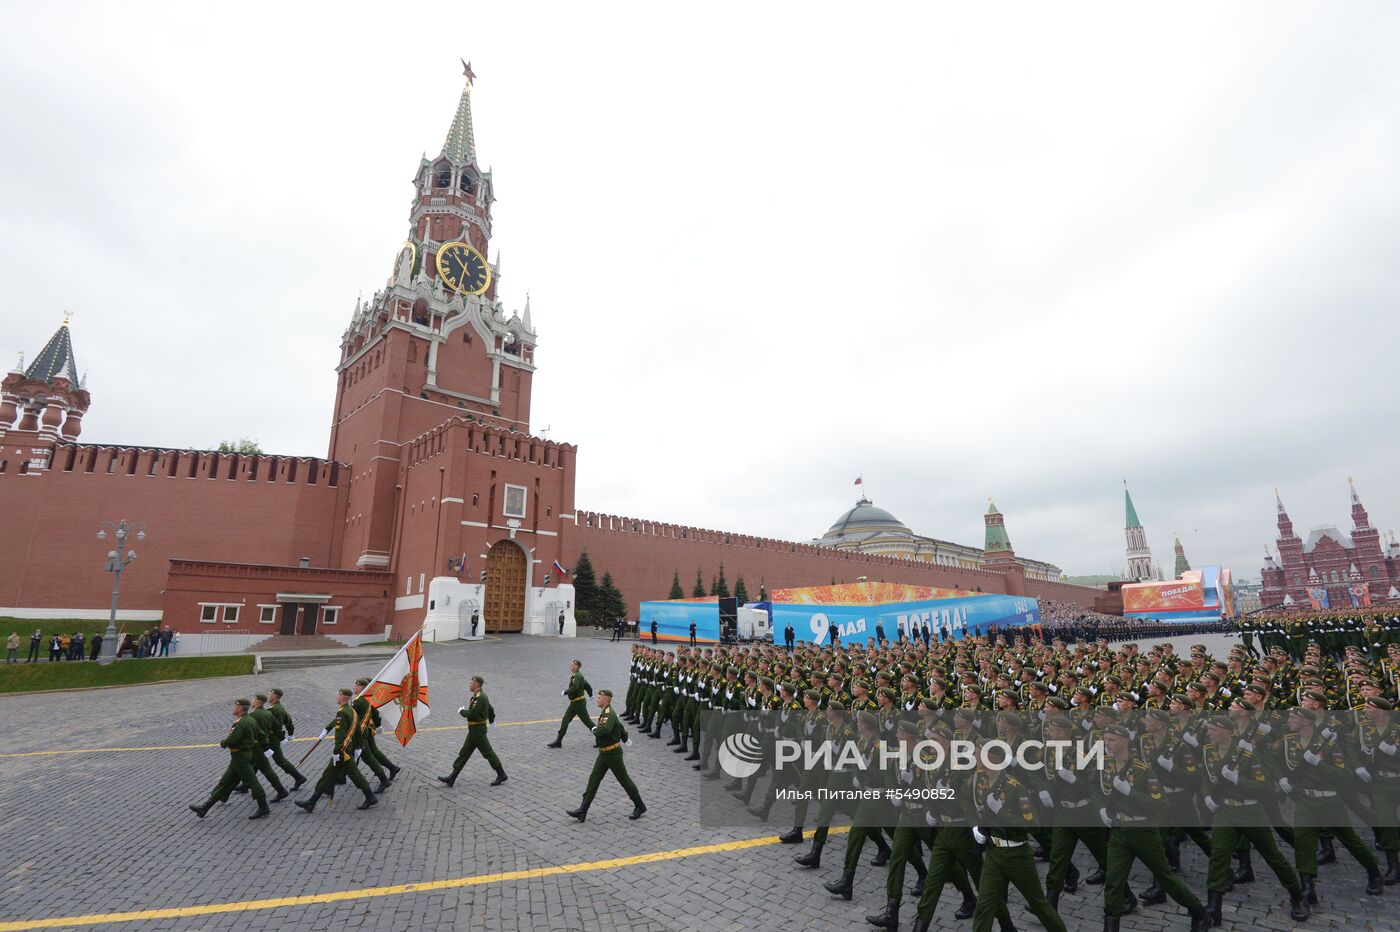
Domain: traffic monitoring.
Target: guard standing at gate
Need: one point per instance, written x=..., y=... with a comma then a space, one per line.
x=578, y=703
x=480, y=716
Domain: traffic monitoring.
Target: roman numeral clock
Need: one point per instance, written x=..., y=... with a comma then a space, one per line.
x=462, y=268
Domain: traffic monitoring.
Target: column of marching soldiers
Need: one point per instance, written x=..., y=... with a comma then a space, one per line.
x=1140, y=705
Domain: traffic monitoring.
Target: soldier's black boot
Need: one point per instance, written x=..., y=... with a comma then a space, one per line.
x=793, y=837
x=1110, y=924
x=1309, y=885
x=1130, y=901
x=203, y=809
x=281, y=795
x=812, y=858
x=920, y=925
x=760, y=811
x=1200, y=920
x=842, y=887
x=1095, y=877
x=383, y=785
x=1326, y=851
x=1174, y=853
x=558, y=742
x=1006, y=925
x=657, y=732
x=684, y=747
x=1298, y=904
x=889, y=919
x=263, y=811
x=500, y=778
x=918, y=889
x=734, y=785
x=968, y=907
x=581, y=813
x=746, y=788
x=1392, y=868
x=1072, y=879
x=450, y=779
x=1154, y=895
x=695, y=750
x=1375, y=886
x=1054, y=897
x=370, y=800
x=639, y=809
x=1245, y=873
x=300, y=780
x=309, y=804
x=882, y=854
x=1214, y=900
x=393, y=772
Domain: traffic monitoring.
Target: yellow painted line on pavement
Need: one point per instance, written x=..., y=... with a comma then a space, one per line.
x=190, y=747
x=210, y=909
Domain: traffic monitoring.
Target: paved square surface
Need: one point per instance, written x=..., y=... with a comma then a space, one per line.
x=95, y=834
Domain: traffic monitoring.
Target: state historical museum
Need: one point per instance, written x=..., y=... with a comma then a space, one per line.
x=434, y=499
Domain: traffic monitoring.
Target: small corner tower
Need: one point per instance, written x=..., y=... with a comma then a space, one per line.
x=45, y=400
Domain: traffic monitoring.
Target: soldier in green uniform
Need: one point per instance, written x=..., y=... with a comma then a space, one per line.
x=369, y=725
x=344, y=755
x=1131, y=798
x=1069, y=793
x=610, y=738
x=242, y=744
x=867, y=812
x=480, y=716
x=1379, y=769
x=1315, y=772
x=954, y=857
x=1235, y=782
x=266, y=725
x=909, y=830
x=576, y=692
x=283, y=731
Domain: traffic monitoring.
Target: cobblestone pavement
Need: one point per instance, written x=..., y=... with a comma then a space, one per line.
x=99, y=833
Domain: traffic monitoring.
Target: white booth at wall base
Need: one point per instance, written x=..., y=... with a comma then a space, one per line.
x=451, y=604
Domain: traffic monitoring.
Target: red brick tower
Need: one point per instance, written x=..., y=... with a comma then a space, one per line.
x=1290, y=555
x=1368, y=559
x=434, y=344
x=44, y=403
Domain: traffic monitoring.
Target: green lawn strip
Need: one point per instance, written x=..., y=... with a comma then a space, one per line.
x=68, y=674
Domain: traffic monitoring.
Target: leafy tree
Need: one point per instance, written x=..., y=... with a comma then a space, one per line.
x=722, y=587
x=699, y=591
x=241, y=445
x=611, y=602
x=741, y=592
x=586, y=586
x=676, y=591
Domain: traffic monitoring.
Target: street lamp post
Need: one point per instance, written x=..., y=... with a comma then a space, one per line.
x=116, y=562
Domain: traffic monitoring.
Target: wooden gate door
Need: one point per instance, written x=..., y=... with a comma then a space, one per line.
x=505, y=588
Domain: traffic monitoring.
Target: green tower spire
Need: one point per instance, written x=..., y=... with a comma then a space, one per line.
x=1132, y=512
x=996, y=540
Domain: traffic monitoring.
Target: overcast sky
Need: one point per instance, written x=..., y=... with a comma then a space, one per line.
x=1024, y=253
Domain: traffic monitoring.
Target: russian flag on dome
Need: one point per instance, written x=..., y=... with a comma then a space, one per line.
x=400, y=690
x=559, y=568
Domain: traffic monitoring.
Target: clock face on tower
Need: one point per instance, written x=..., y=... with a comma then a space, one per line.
x=462, y=268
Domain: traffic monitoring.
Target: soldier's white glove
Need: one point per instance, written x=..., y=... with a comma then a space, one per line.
x=357, y=753
x=1247, y=745
x=1230, y=774
x=1211, y=804
x=461, y=710
x=564, y=692
x=977, y=836
x=1364, y=774
x=1388, y=748
x=627, y=743
x=1105, y=818
x=1329, y=734
x=325, y=733
x=1046, y=799
x=855, y=783
x=1166, y=763
x=268, y=753
x=1284, y=786
x=896, y=802
x=1122, y=785
x=1264, y=728
x=1312, y=757
x=930, y=819
x=1066, y=775
x=993, y=803
x=1190, y=739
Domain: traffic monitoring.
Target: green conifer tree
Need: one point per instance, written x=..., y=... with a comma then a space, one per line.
x=676, y=591
x=699, y=591
x=586, y=587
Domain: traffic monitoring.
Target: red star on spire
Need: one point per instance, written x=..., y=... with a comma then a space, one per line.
x=467, y=70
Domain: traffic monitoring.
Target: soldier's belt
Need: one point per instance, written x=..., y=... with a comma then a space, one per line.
x=1004, y=842
x=1172, y=789
x=480, y=721
x=1240, y=802
x=1071, y=804
x=576, y=699
x=1319, y=794
x=1130, y=818
x=612, y=747
x=1388, y=773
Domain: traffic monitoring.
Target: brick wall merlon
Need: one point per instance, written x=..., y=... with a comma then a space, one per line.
x=101, y=460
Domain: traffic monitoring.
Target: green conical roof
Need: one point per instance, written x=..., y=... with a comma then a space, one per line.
x=460, y=145
x=1132, y=512
x=996, y=540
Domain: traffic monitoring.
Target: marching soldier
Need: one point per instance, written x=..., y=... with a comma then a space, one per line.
x=242, y=744
x=262, y=757
x=345, y=753
x=480, y=717
x=610, y=738
x=369, y=725
x=283, y=729
x=576, y=692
